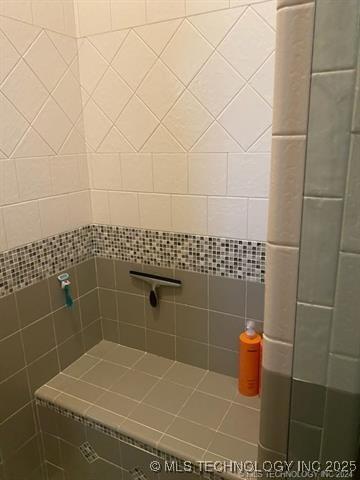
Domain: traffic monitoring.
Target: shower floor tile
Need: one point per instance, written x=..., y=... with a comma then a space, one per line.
x=183, y=410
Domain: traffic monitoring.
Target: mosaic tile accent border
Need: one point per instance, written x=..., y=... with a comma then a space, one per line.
x=26, y=265
x=226, y=257
x=124, y=438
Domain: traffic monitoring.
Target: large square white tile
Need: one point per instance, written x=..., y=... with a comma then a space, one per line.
x=112, y=94
x=160, y=89
x=93, y=16
x=34, y=178
x=248, y=43
x=159, y=10
x=208, y=173
x=48, y=14
x=105, y=171
x=13, y=129
x=136, y=122
x=170, y=172
x=137, y=172
x=9, y=192
x=96, y=124
x=157, y=35
x=249, y=174
x=246, y=128
x=257, y=219
x=216, y=84
x=80, y=209
x=68, y=96
x=186, y=52
x=92, y=66
x=155, y=211
x=25, y=91
x=263, y=80
x=42, y=49
x=187, y=120
x=9, y=56
x=127, y=13
x=22, y=224
x=133, y=60
x=100, y=207
x=189, y=214
x=55, y=215
x=227, y=217
x=124, y=209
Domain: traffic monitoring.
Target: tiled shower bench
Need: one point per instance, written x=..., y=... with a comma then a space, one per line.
x=116, y=409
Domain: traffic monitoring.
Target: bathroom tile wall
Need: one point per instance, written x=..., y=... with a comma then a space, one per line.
x=170, y=147
x=198, y=323
x=44, y=184
x=39, y=337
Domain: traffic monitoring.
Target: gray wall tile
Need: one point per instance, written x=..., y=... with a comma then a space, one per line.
x=331, y=106
x=130, y=308
x=92, y=334
x=14, y=394
x=29, y=306
x=132, y=335
x=57, y=296
x=43, y=369
x=105, y=272
x=160, y=344
x=224, y=330
x=86, y=276
x=351, y=227
x=194, y=289
x=161, y=318
x=192, y=323
x=319, y=250
x=307, y=402
x=89, y=307
x=304, y=442
x=335, y=45
x=16, y=430
x=312, y=335
x=107, y=301
x=70, y=350
x=123, y=281
x=194, y=353
x=255, y=296
x=39, y=338
x=9, y=319
x=227, y=295
x=67, y=322
x=346, y=324
x=223, y=361
x=11, y=356
x=275, y=410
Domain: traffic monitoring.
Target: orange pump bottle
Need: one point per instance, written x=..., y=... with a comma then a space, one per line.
x=249, y=361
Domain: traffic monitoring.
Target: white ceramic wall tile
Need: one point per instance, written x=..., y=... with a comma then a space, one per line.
x=68, y=96
x=13, y=129
x=27, y=100
x=157, y=35
x=79, y=209
x=170, y=172
x=22, y=224
x=41, y=49
x=216, y=84
x=127, y=13
x=248, y=44
x=64, y=174
x=187, y=120
x=246, y=129
x=158, y=10
x=186, y=52
x=249, y=174
x=96, y=124
x=133, y=60
x=48, y=14
x=9, y=57
x=105, y=171
x=199, y=6
x=155, y=211
x=137, y=172
x=228, y=217
x=208, y=173
x=92, y=66
x=189, y=214
x=109, y=43
x=21, y=10
x=34, y=178
x=3, y=241
x=93, y=16
x=257, y=219
x=21, y=35
x=9, y=192
x=124, y=209
x=55, y=215
x=100, y=207
x=263, y=80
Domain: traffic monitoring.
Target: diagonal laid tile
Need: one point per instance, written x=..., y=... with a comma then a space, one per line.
x=246, y=129
x=9, y=56
x=108, y=43
x=161, y=141
x=248, y=43
x=160, y=89
x=216, y=140
x=216, y=84
x=186, y=52
x=91, y=66
x=157, y=35
x=136, y=122
x=20, y=34
x=178, y=120
x=133, y=60
x=15, y=126
x=115, y=142
x=263, y=80
x=215, y=25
